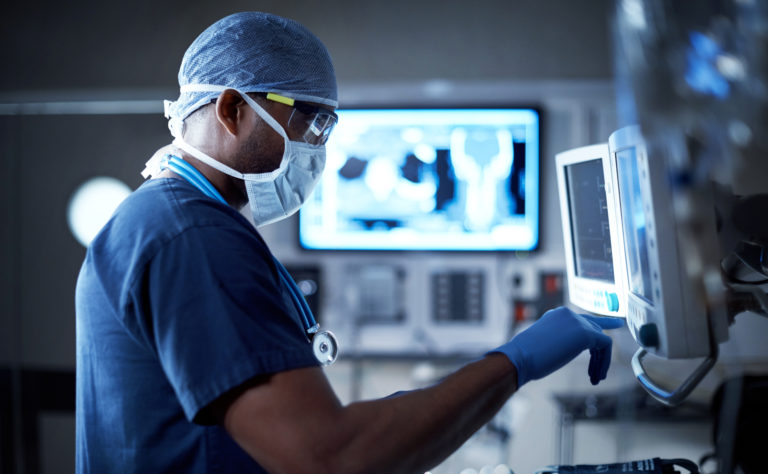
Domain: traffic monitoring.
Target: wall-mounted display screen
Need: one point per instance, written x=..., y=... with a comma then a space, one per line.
x=427, y=179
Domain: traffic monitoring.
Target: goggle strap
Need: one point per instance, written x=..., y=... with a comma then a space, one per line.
x=296, y=96
x=315, y=127
x=281, y=99
x=259, y=110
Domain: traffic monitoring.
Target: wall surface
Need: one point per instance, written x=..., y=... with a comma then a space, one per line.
x=88, y=47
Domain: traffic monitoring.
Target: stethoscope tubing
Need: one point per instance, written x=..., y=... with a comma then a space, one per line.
x=196, y=179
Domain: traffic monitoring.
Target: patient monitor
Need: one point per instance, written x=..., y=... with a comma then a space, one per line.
x=667, y=309
x=636, y=249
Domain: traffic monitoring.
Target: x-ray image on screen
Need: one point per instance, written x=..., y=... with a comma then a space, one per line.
x=452, y=179
x=588, y=209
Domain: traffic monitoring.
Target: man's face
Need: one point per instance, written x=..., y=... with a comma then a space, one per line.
x=262, y=149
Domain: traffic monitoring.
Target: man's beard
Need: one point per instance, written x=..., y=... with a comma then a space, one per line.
x=259, y=155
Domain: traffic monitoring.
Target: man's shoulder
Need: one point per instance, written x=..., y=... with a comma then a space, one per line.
x=168, y=207
x=162, y=210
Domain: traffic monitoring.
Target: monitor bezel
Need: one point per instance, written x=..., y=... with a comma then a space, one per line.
x=438, y=107
x=589, y=293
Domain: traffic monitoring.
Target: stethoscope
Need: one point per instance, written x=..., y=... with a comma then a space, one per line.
x=324, y=343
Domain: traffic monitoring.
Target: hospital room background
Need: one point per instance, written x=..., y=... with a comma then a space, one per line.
x=81, y=111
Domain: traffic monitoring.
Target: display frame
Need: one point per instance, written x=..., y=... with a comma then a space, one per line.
x=594, y=295
x=532, y=198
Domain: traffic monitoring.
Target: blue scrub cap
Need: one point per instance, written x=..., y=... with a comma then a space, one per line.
x=255, y=52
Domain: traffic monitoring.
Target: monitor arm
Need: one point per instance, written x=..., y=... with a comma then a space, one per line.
x=748, y=225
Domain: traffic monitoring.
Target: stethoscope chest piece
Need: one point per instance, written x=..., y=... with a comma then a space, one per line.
x=325, y=347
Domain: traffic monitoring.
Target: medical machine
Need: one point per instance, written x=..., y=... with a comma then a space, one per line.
x=428, y=306
x=668, y=288
x=692, y=174
x=454, y=179
x=631, y=252
x=665, y=311
x=592, y=230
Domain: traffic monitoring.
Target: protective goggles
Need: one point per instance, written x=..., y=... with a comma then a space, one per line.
x=312, y=123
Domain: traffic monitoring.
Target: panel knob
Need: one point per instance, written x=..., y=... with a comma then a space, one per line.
x=648, y=335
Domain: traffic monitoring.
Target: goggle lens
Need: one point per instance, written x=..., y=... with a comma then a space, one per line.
x=313, y=124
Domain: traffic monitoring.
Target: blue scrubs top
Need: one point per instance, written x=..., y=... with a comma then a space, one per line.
x=178, y=302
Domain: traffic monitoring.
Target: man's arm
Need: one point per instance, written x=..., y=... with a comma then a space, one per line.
x=293, y=422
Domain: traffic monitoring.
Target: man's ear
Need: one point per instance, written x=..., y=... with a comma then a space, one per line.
x=229, y=110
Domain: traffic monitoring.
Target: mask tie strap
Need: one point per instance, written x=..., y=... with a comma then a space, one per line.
x=180, y=143
x=265, y=115
x=259, y=109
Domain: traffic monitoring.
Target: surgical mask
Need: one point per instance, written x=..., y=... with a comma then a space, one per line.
x=278, y=194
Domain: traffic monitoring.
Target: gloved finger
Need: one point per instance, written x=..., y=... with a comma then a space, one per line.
x=594, y=366
x=605, y=362
x=602, y=361
x=605, y=322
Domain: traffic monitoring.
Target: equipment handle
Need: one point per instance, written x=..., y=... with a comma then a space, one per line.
x=680, y=393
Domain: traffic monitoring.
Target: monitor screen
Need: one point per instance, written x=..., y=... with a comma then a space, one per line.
x=427, y=179
x=634, y=219
x=590, y=229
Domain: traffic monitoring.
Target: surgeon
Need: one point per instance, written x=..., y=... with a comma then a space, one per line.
x=194, y=352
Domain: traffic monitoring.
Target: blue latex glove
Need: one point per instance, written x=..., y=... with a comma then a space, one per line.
x=556, y=338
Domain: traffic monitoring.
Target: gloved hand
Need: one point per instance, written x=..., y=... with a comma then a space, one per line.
x=556, y=338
